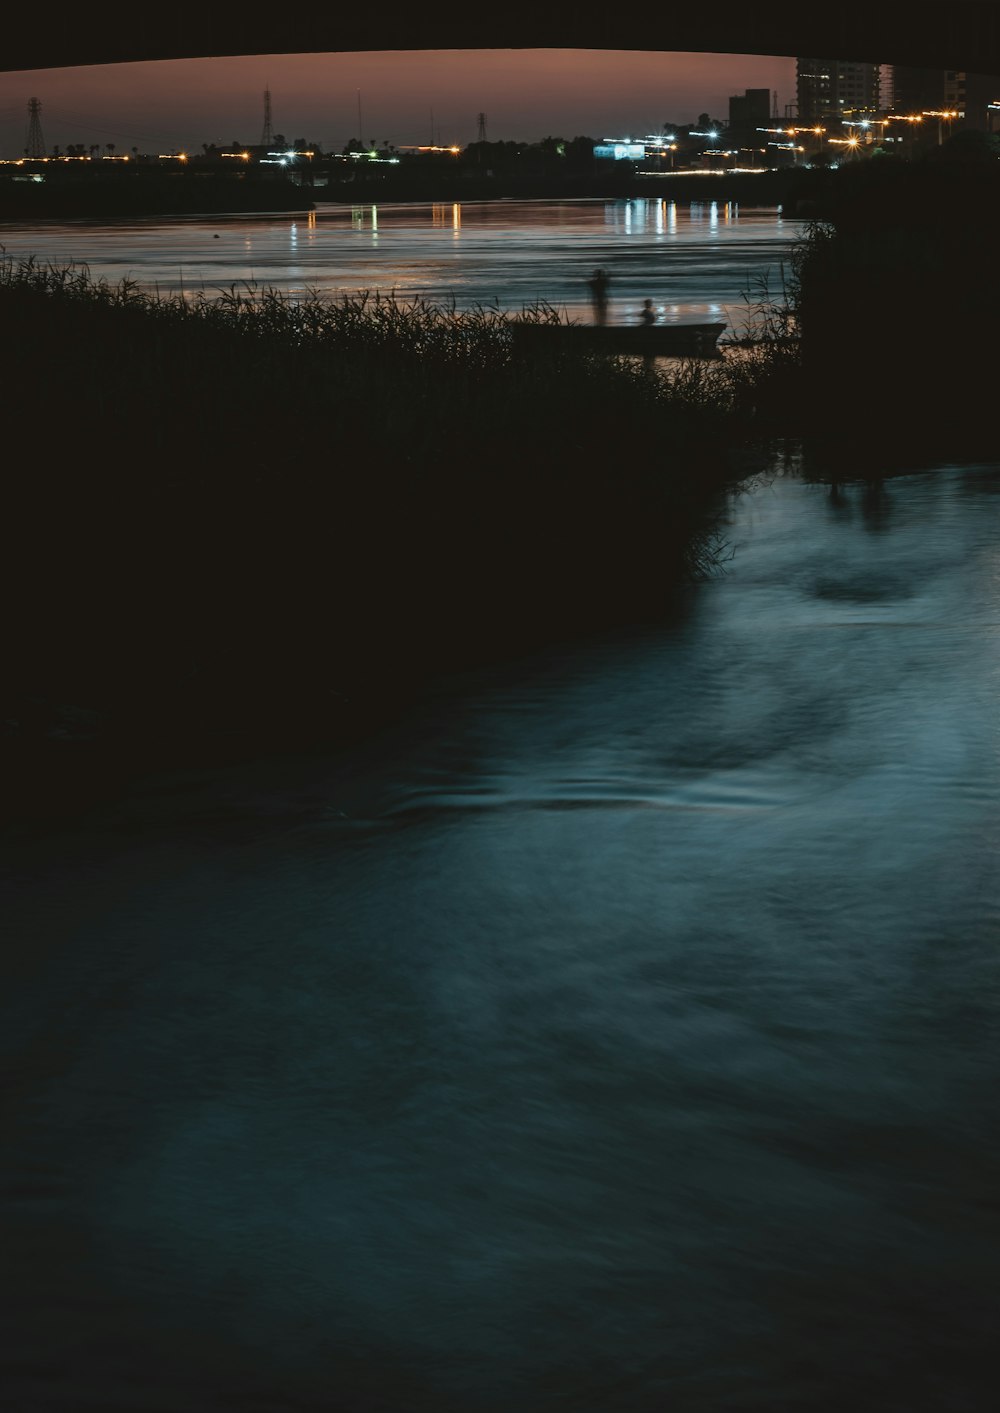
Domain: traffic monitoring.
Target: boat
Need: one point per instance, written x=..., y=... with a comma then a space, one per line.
x=644, y=341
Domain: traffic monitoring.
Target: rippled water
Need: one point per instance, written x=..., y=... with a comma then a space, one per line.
x=620, y=1031
x=695, y=260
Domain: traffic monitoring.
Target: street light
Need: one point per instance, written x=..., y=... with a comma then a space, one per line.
x=851, y=143
x=902, y=118
x=711, y=134
x=942, y=115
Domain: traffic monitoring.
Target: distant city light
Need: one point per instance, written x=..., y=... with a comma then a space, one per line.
x=620, y=150
x=702, y=172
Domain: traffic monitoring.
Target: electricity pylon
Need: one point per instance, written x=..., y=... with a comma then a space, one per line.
x=36, y=143
x=266, y=138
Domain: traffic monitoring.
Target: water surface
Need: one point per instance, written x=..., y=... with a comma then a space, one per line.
x=619, y=1031
x=697, y=261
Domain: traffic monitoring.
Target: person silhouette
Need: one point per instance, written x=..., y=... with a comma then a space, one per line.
x=599, y=295
x=647, y=318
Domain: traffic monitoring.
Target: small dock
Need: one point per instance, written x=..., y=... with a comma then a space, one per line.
x=655, y=341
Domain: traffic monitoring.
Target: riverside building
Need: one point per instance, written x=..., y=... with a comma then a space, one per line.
x=828, y=90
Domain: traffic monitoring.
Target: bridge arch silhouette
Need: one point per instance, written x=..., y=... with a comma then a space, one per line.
x=955, y=34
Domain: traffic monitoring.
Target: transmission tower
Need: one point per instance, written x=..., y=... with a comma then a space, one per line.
x=36, y=143
x=774, y=104
x=482, y=127
x=267, y=139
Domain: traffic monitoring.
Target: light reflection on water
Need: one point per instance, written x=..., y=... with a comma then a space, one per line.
x=618, y=1032
x=696, y=261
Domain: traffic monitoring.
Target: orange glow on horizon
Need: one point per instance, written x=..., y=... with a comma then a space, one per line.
x=529, y=94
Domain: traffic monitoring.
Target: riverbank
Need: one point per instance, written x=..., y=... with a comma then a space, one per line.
x=786, y=188
x=815, y=193
x=139, y=193
x=130, y=195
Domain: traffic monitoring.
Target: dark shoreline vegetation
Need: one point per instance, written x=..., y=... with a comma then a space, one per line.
x=251, y=517
x=127, y=194
x=250, y=524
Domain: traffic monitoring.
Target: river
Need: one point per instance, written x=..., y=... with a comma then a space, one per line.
x=697, y=261
x=620, y=1031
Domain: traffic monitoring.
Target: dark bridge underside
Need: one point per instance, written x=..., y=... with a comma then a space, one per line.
x=953, y=34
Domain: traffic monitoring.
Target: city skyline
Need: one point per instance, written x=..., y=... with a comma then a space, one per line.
x=398, y=96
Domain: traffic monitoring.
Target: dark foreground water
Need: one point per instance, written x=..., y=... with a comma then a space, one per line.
x=619, y=1033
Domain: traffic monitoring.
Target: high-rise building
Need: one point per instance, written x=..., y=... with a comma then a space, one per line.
x=831, y=89
x=915, y=90
x=749, y=112
x=950, y=90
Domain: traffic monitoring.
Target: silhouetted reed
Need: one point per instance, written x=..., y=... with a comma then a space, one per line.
x=247, y=499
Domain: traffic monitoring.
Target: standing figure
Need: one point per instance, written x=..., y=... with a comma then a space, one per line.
x=647, y=318
x=599, y=295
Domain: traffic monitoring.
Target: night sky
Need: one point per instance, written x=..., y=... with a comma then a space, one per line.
x=406, y=97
